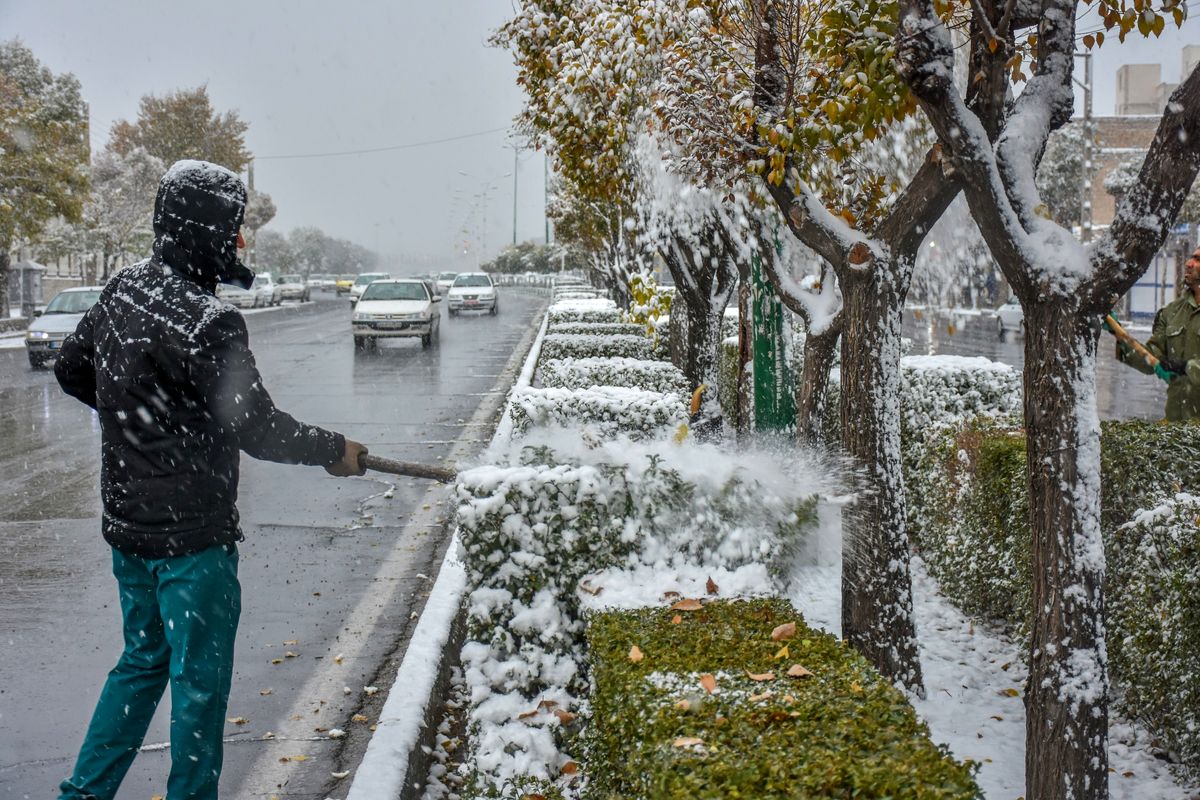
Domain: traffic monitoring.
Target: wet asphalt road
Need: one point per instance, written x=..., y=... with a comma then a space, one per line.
x=1121, y=392
x=329, y=566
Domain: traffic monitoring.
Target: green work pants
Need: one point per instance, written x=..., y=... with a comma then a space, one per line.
x=180, y=621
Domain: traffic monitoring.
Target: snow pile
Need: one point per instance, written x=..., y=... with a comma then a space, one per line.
x=581, y=373
x=576, y=345
x=546, y=535
x=939, y=390
x=583, y=310
x=602, y=410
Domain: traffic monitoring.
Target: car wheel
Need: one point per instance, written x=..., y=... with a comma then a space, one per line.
x=495, y=309
x=427, y=341
x=453, y=313
x=36, y=360
x=360, y=344
x=1000, y=327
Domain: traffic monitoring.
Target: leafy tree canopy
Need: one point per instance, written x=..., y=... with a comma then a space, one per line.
x=183, y=124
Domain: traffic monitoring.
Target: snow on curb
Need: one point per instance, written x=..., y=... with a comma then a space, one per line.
x=384, y=768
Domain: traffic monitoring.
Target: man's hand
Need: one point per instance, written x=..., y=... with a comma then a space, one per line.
x=349, y=464
x=1176, y=365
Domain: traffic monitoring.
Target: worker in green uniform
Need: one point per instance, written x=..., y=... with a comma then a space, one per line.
x=1176, y=343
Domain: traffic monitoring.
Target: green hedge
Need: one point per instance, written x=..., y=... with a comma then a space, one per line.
x=843, y=732
x=969, y=493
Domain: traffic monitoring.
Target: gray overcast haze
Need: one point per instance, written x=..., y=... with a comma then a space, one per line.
x=315, y=77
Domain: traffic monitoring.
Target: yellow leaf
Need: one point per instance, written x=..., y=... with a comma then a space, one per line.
x=951, y=329
x=338, y=658
x=688, y=741
x=1010, y=692
x=687, y=605
x=681, y=432
x=236, y=720
x=785, y=631
x=708, y=682
x=276, y=660
x=993, y=45
x=635, y=654
x=783, y=652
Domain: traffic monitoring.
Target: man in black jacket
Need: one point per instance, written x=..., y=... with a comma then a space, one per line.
x=168, y=368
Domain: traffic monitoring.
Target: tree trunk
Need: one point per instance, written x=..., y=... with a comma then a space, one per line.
x=703, y=339
x=812, y=391
x=1066, y=754
x=5, y=264
x=877, y=613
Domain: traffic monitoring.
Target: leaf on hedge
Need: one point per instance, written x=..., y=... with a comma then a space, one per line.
x=761, y=676
x=710, y=586
x=687, y=605
x=783, y=652
x=592, y=590
x=785, y=631
x=797, y=671
x=636, y=654
x=533, y=797
x=1010, y=692
x=688, y=741
x=675, y=620
x=564, y=717
x=754, y=698
x=856, y=687
x=708, y=682
x=569, y=768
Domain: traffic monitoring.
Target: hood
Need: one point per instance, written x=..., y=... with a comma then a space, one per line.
x=197, y=214
x=56, y=323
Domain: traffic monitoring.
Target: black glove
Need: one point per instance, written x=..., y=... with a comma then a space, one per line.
x=1178, y=366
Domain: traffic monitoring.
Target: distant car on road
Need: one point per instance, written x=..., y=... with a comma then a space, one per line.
x=293, y=287
x=390, y=309
x=363, y=281
x=443, y=281
x=1011, y=317
x=236, y=296
x=343, y=283
x=473, y=291
x=46, y=333
x=316, y=281
x=268, y=291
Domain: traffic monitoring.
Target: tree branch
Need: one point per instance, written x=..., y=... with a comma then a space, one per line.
x=920, y=205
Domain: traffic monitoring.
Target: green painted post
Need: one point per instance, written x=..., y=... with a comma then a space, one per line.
x=774, y=394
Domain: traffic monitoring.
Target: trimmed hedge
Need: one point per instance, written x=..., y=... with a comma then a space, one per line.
x=976, y=541
x=606, y=410
x=583, y=310
x=599, y=328
x=842, y=732
x=575, y=345
x=582, y=373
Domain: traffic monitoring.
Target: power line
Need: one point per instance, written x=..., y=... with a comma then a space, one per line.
x=408, y=146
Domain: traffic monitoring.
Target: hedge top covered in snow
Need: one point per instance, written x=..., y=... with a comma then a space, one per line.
x=938, y=390
x=582, y=373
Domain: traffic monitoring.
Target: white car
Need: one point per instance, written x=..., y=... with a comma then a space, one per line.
x=47, y=332
x=237, y=296
x=1011, y=316
x=443, y=281
x=392, y=309
x=267, y=291
x=473, y=291
x=363, y=281
x=293, y=287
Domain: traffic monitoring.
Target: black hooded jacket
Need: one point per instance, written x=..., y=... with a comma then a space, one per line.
x=169, y=370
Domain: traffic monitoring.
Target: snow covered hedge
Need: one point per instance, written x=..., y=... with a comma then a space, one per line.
x=583, y=310
x=636, y=373
x=599, y=328
x=534, y=532
x=1155, y=559
x=574, y=345
x=975, y=539
x=754, y=732
x=603, y=410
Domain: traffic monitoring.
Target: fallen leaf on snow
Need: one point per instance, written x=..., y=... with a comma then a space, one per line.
x=797, y=671
x=710, y=586
x=670, y=594
x=236, y=720
x=528, y=714
x=760, y=676
x=592, y=590
x=546, y=705
x=338, y=658
x=290, y=654
x=291, y=642
x=569, y=768
x=276, y=660
x=564, y=717
x=785, y=631
x=754, y=698
x=708, y=682
x=1010, y=692
x=635, y=654
x=265, y=692
x=687, y=605
x=688, y=741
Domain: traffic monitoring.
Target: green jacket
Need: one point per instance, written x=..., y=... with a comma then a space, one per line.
x=1176, y=336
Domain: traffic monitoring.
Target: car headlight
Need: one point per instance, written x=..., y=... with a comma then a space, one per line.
x=36, y=335
x=362, y=318
x=416, y=317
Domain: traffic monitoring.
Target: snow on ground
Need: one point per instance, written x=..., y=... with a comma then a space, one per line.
x=11, y=341
x=971, y=674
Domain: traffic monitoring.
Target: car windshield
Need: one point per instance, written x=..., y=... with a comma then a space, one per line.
x=447, y=276
x=72, y=302
x=362, y=280
x=395, y=291
x=262, y=280
x=472, y=280
x=291, y=279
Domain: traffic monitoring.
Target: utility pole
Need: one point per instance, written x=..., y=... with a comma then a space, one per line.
x=516, y=151
x=546, y=195
x=253, y=234
x=1085, y=198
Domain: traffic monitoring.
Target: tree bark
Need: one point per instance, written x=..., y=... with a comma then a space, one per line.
x=1066, y=697
x=813, y=388
x=877, y=614
x=5, y=266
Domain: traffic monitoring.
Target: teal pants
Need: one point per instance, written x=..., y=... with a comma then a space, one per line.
x=180, y=621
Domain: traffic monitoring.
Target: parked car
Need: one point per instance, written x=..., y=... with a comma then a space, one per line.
x=237, y=296
x=472, y=291
x=50, y=327
x=293, y=287
x=267, y=289
x=363, y=281
x=316, y=281
x=443, y=281
x=1011, y=316
x=343, y=283
x=390, y=309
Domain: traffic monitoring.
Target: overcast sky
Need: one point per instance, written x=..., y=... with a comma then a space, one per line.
x=318, y=77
